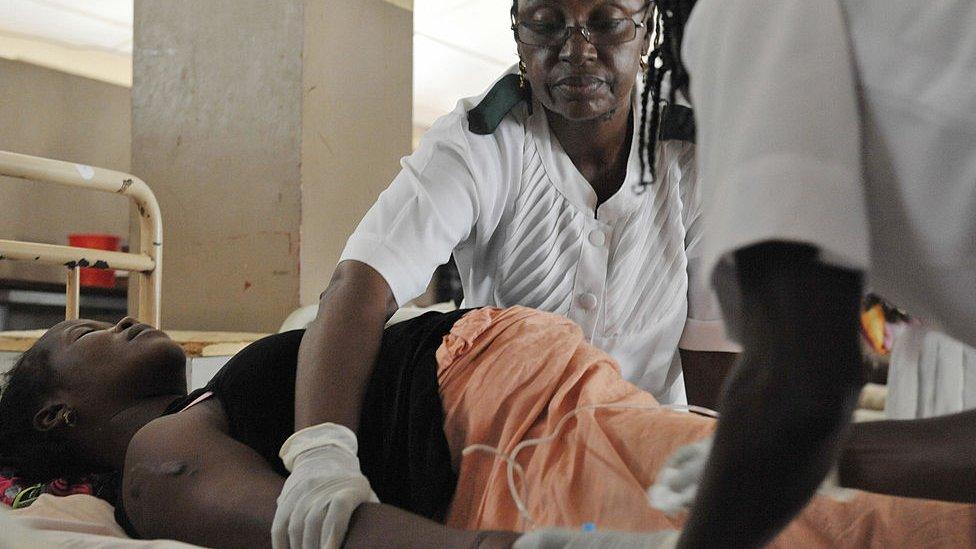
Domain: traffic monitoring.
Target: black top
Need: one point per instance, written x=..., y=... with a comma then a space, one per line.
x=402, y=448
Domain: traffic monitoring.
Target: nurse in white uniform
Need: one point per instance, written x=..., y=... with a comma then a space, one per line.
x=543, y=192
x=837, y=140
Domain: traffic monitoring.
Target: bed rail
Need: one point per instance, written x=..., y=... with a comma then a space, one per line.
x=145, y=263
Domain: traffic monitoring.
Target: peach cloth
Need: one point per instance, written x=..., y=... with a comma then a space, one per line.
x=507, y=375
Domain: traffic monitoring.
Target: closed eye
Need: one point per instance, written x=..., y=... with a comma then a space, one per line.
x=544, y=27
x=82, y=331
x=606, y=25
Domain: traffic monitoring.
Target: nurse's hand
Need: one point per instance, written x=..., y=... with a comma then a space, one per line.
x=323, y=490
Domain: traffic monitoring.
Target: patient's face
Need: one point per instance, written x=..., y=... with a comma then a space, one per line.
x=117, y=363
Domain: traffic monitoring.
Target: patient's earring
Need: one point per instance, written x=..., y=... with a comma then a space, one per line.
x=644, y=66
x=522, y=70
x=70, y=417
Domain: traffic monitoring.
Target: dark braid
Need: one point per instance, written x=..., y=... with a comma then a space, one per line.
x=669, y=17
x=652, y=91
x=35, y=456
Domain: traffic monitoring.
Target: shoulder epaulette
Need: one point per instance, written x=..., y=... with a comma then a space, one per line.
x=678, y=123
x=497, y=103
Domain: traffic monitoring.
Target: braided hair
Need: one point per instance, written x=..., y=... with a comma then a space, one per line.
x=35, y=456
x=668, y=19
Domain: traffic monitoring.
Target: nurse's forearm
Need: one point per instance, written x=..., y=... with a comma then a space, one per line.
x=339, y=348
x=788, y=401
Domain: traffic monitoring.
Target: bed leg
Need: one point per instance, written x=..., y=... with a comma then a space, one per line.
x=73, y=292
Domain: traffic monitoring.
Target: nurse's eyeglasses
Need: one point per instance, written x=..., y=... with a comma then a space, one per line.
x=601, y=32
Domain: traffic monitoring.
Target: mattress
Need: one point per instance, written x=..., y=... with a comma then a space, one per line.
x=72, y=521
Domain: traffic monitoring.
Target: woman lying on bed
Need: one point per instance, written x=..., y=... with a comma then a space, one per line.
x=204, y=467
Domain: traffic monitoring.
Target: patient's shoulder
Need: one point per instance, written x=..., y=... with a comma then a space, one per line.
x=179, y=433
x=165, y=455
x=187, y=478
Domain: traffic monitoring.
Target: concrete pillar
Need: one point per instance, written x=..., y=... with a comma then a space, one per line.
x=266, y=128
x=358, y=122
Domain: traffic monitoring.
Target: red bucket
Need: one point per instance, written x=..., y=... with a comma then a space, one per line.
x=103, y=278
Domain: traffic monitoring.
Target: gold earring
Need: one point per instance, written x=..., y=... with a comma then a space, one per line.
x=522, y=70
x=644, y=66
x=70, y=418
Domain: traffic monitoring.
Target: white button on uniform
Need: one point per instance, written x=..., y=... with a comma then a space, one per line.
x=587, y=301
x=598, y=238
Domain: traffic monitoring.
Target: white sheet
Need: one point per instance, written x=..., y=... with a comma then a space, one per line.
x=72, y=521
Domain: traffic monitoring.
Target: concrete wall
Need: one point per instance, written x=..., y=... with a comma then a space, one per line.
x=216, y=131
x=357, y=122
x=266, y=129
x=56, y=115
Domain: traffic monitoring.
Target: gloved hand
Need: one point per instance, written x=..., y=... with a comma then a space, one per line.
x=831, y=488
x=324, y=489
x=677, y=483
x=556, y=538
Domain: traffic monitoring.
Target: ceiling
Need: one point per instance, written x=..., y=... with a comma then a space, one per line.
x=103, y=25
x=460, y=46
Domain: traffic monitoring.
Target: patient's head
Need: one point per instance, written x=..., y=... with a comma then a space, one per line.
x=73, y=383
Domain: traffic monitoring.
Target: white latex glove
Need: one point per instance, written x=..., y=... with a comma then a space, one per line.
x=556, y=538
x=832, y=489
x=324, y=489
x=676, y=485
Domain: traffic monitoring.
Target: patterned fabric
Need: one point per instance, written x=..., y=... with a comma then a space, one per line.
x=16, y=493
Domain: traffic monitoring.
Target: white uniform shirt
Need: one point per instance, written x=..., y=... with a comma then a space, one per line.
x=524, y=229
x=849, y=125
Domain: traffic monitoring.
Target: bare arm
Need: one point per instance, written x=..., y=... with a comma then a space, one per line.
x=924, y=458
x=340, y=346
x=789, y=398
x=377, y=525
x=187, y=479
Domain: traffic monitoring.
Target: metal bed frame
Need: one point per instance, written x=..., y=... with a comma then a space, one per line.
x=146, y=263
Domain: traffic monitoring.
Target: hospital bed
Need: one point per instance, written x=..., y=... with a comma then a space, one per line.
x=145, y=263
x=206, y=351
x=84, y=520
x=81, y=520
